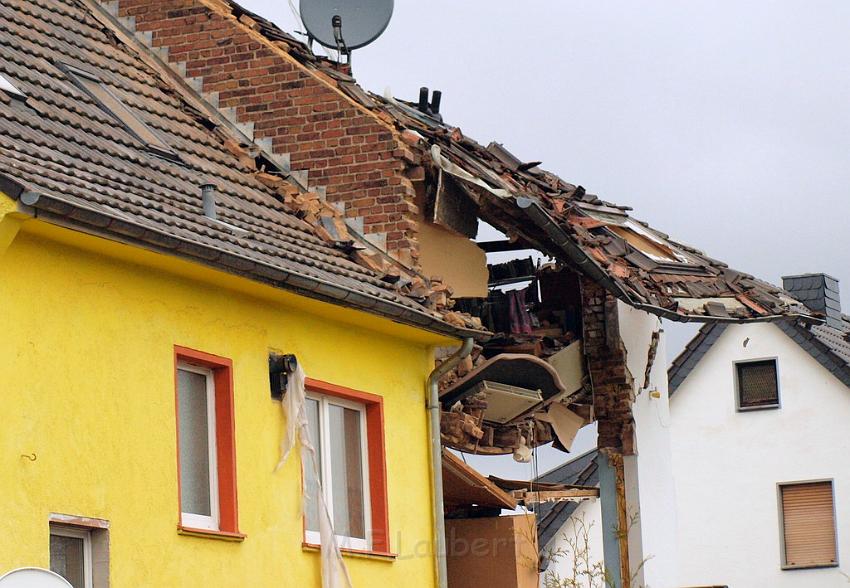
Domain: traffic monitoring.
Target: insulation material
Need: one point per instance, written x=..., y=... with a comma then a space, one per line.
x=457, y=260
x=565, y=422
x=334, y=572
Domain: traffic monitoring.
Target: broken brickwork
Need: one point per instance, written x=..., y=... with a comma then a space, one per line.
x=342, y=146
x=606, y=360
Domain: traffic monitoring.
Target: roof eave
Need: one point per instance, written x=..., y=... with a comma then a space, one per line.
x=62, y=213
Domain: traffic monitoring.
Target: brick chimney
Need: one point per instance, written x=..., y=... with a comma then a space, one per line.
x=298, y=113
x=819, y=292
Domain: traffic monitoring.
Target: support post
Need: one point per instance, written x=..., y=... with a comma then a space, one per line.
x=612, y=498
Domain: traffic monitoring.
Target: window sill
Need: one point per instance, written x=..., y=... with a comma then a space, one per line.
x=811, y=566
x=210, y=534
x=363, y=553
x=754, y=408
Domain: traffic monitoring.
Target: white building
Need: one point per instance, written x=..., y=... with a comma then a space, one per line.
x=761, y=450
x=744, y=473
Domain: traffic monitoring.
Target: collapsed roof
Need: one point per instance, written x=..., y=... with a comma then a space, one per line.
x=96, y=138
x=640, y=265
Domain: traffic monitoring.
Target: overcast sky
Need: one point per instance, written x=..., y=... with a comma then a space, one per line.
x=724, y=124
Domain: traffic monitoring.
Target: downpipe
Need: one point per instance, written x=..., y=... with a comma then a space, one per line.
x=437, y=456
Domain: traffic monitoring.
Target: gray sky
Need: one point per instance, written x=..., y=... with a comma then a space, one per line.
x=724, y=124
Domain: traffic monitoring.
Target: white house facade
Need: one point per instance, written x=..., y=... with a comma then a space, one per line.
x=761, y=451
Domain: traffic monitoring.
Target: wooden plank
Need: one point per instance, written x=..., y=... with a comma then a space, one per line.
x=573, y=494
x=504, y=245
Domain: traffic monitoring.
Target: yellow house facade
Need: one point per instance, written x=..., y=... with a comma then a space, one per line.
x=89, y=330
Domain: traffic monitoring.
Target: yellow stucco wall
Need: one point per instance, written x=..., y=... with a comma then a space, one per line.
x=86, y=381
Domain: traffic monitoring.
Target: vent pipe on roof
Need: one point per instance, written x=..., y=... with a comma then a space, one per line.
x=208, y=195
x=432, y=109
x=819, y=292
x=436, y=97
x=423, y=99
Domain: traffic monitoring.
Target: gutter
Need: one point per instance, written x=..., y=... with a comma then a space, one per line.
x=560, y=237
x=126, y=231
x=437, y=458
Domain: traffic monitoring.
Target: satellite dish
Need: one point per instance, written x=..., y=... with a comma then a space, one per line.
x=359, y=22
x=33, y=578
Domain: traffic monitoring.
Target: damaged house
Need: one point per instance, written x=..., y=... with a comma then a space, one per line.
x=392, y=198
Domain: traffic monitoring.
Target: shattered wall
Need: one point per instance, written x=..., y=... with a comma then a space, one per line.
x=606, y=361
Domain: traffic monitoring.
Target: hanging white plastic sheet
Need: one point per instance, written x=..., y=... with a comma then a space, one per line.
x=334, y=572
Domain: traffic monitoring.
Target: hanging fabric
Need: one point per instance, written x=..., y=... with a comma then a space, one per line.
x=334, y=572
x=519, y=315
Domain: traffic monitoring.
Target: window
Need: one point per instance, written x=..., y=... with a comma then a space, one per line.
x=808, y=525
x=79, y=550
x=70, y=555
x=206, y=453
x=109, y=102
x=757, y=384
x=346, y=428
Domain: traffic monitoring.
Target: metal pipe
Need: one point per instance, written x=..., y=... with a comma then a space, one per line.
x=437, y=457
x=437, y=96
x=208, y=196
x=423, y=99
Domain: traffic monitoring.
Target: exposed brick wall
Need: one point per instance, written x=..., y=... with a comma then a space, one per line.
x=354, y=155
x=613, y=388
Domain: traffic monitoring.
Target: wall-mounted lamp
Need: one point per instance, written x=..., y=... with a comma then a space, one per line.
x=655, y=394
x=280, y=366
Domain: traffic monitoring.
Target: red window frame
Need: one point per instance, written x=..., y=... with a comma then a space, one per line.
x=376, y=453
x=225, y=432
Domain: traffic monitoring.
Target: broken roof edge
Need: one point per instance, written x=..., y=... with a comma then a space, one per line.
x=386, y=112
x=55, y=211
x=584, y=263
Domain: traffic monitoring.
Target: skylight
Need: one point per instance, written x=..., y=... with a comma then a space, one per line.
x=110, y=103
x=7, y=86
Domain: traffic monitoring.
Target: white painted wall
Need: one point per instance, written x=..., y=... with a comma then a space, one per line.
x=582, y=531
x=653, y=538
x=727, y=463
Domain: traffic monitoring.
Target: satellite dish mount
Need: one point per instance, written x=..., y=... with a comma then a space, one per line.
x=341, y=48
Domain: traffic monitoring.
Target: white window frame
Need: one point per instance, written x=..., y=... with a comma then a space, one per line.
x=343, y=541
x=85, y=535
x=738, y=390
x=193, y=520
